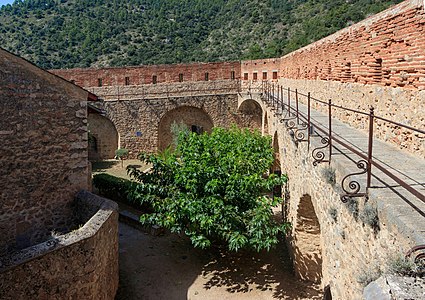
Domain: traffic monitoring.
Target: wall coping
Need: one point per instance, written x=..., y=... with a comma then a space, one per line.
x=103, y=207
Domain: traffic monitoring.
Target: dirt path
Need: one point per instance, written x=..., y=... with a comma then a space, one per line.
x=168, y=267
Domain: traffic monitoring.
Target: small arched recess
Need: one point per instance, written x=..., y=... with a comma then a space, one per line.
x=251, y=114
x=307, y=245
x=103, y=137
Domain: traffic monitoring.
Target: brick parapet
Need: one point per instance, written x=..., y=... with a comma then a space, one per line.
x=139, y=75
x=385, y=49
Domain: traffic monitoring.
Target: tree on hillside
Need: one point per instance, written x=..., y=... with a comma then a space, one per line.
x=213, y=189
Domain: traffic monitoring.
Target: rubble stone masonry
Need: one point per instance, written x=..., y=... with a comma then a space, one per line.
x=43, y=153
x=82, y=264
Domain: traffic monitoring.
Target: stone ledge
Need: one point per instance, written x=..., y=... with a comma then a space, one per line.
x=391, y=287
x=97, y=211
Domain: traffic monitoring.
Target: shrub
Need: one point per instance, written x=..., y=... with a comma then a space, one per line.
x=404, y=266
x=369, y=275
x=117, y=189
x=353, y=207
x=212, y=188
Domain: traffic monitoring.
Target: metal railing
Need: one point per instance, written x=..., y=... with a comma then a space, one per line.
x=302, y=128
x=167, y=90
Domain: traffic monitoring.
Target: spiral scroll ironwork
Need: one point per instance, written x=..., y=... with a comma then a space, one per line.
x=290, y=124
x=299, y=135
x=318, y=154
x=354, y=186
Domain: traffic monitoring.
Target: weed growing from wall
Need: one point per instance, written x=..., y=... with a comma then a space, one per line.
x=367, y=276
x=369, y=216
x=329, y=174
x=404, y=266
x=333, y=213
x=353, y=207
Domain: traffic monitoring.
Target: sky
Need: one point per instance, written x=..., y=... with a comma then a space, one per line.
x=4, y=2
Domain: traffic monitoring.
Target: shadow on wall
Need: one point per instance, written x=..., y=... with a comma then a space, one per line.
x=306, y=242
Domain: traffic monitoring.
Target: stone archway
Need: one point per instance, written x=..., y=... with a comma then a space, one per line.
x=307, y=245
x=251, y=114
x=103, y=137
x=196, y=119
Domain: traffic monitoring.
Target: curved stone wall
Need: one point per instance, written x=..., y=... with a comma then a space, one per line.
x=82, y=264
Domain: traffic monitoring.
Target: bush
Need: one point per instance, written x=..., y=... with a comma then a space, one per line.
x=212, y=188
x=117, y=189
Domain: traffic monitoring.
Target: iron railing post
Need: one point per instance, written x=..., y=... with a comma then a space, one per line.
x=296, y=101
x=308, y=121
x=289, y=101
x=370, y=147
x=281, y=100
x=330, y=130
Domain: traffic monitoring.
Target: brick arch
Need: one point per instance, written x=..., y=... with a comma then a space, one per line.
x=192, y=117
x=103, y=139
x=307, y=242
x=251, y=114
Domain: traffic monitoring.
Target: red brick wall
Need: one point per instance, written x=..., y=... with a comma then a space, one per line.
x=144, y=74
x=387, y=49
x=259, y=67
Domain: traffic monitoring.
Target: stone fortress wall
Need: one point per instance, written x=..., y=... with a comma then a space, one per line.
x=43, y=130
x=378, y=62
x=52, y=246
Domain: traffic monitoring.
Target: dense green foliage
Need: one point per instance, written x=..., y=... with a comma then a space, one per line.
x=112, y=187
x=83, y=33
x=117, y=189
x=212, y=188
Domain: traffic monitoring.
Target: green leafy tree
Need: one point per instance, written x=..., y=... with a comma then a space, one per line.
x=213, y=188
x=121, y=154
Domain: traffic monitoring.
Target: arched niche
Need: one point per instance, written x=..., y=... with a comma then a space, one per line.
x=307, y=246
x=196, y=120
x=103, y=137
x=251, y=113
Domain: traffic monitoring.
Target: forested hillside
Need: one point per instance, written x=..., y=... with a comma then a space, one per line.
x=83, y=33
